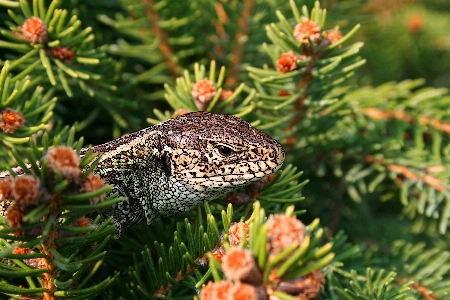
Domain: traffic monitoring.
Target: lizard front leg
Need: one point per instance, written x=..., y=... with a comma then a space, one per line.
x=125, y=213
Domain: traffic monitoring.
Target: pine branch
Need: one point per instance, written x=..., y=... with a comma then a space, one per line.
x=62, y=48
x=279, y=257
x=204, y=92
x=357, y=146
x=309, y=65
x=374, y=286
x=44, y=234
x=169, y=268
x=53, y=49
x=406, y=271
x=23, y=112
x=418, y=166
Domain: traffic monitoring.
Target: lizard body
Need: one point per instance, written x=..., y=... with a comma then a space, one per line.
x=177, y=164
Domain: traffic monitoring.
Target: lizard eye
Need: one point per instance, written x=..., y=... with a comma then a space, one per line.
x=224, y=150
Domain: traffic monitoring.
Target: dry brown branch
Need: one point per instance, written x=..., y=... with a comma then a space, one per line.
x=166, y=51
x=220, y=29
x=48, y=244
x=378, y=114
x=423, y=290
x=237, y=51
x=426, y=178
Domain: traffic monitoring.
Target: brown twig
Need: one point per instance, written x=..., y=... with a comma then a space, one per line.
x=237, y=51
x=408, y=173
x=48, y=244
x=421, y=289
x=404, y=171
x=222, y=34
x=378, y=114
x=426, y=178
x=166, y=51
x=299, y=103
x=424, y=291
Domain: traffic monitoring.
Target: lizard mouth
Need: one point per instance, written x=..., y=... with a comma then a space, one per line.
x=277, y=157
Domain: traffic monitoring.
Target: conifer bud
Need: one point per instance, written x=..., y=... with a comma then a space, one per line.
x=34, y=30
x=305, y=29
x=179, y=112
x=239, y=264
x=234, y=233
x=26, y=190
x=14, y=216
x=331, y=37
x=283, y=232
x=225, y=94
x=225, y=290
x=10, y=120
x=203, y=92
x=415, y=23
x=287, y=62
x=65, y=160
x=91, y=183
x=6, y=185
x=63, y=53
x=305, y=287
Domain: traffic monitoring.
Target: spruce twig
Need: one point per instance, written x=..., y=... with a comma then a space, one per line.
x=165, y=49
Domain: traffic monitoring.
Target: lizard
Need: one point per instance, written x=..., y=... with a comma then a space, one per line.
x=177, y=164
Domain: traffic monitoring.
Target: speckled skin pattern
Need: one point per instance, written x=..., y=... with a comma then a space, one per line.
x=177, y=164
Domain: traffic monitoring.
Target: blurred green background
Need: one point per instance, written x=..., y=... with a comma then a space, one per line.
x=404, y=39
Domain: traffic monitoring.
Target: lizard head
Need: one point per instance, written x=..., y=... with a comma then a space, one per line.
x=214, y=154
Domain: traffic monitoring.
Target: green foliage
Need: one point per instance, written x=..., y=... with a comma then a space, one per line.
x=64, y=58
x=320, y=70
x=393, y=146
x=177, y=265
x=289, y=262
x=182, y=97
x=373, y=161
x=44, y=56
x=35, y=106
x=420, y=51
x=374, y=286
x=47, y=247
x=415, y=271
